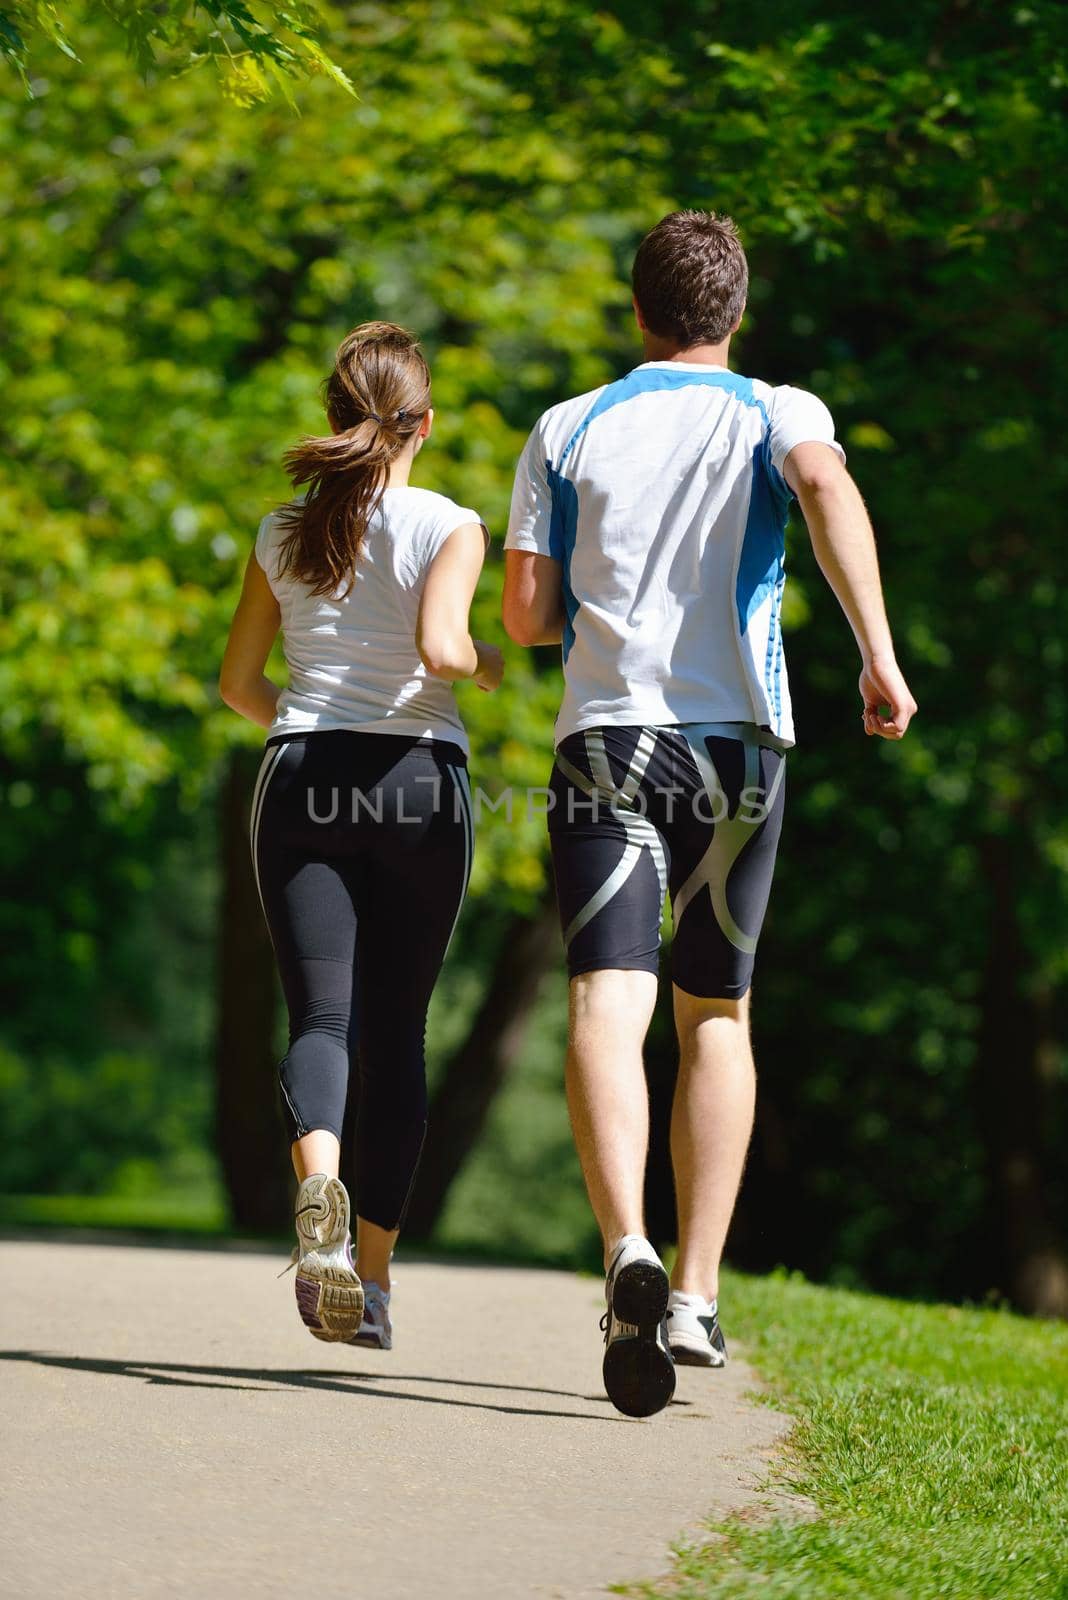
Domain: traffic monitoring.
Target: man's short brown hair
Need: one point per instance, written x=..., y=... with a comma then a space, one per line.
x=690, y=278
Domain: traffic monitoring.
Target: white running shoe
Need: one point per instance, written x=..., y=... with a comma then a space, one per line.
x=639, y=1374
x=693, y=1331
x=376, y=1330
x=329, y=1292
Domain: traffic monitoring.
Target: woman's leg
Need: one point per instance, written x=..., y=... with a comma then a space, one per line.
x=313, y=923
x=410, y=900
x=318, y=1151
x=308, y=894
x=374, y=1252
x=309, y=906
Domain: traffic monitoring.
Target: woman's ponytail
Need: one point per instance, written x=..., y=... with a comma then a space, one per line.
x=376, y=398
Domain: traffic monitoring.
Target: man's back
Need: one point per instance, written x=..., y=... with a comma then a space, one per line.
x=663, y=499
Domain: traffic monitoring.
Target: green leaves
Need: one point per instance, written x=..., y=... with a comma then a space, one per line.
x=180, y=268
x=26, y=17
x=256, y=49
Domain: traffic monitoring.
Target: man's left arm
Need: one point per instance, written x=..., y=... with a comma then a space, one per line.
x=844, y=544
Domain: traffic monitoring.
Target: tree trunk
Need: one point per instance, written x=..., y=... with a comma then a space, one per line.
x=529, y=947
x=1009, y=1065
x=249, y=1134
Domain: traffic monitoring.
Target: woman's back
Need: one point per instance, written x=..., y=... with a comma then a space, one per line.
x=352, y=657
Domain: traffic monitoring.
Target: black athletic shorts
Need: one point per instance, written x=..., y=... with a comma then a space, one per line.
x=694, y=810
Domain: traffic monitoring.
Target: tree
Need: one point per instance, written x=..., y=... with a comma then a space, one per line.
x=180, y=270
x=908, y=264
x=198, y=275
x=479, y=1066
x=246, y=1111
x=255, y=48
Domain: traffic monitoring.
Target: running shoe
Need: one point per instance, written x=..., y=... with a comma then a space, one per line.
x=329, y=1292
x=376, y=1330
x=639, y=1374
x=693, y=1331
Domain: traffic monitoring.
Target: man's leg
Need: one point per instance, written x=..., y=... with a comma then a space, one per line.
x=610, y=869
x=606, y=1093
x=609, y=1103
x=723, y=849
x=711, y=1124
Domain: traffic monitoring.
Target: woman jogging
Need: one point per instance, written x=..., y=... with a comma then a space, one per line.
x=361, y=817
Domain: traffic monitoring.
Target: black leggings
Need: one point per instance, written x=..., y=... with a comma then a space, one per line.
x=361, y=843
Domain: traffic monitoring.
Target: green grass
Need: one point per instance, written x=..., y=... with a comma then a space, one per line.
x=933, y=1441
x=184, y=1210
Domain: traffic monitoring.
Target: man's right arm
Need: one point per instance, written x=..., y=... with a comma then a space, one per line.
x=533, y=600
x=844, y=544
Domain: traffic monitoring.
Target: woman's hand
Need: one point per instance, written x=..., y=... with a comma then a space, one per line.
x=490, y=666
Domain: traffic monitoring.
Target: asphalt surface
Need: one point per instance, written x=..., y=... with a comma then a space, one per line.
x=169, y=1428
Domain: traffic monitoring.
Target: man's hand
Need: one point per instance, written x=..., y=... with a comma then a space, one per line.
x=881, y=684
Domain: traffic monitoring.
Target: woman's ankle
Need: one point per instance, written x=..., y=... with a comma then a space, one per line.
x=374, y=1252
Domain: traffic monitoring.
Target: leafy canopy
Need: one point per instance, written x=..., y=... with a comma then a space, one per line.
x=256, y=48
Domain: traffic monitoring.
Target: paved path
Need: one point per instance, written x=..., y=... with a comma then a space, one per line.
x=170, y=1429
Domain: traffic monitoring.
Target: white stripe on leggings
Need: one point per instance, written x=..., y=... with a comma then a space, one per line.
x=268, y=767
x=463, y=806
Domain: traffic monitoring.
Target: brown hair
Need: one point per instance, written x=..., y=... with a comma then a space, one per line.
x=690, y=278
x=376, y=397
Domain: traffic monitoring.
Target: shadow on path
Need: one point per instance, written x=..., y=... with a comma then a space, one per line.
x=185, y=1375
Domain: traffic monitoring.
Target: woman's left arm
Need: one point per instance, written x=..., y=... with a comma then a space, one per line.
x=253, y=631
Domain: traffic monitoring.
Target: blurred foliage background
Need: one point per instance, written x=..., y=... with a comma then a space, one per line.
x=179, y=260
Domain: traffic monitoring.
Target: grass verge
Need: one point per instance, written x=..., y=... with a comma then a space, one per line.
x=168, y=1211
x=933, y=1439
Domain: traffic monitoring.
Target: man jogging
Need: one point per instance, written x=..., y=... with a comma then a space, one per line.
x=647, y=535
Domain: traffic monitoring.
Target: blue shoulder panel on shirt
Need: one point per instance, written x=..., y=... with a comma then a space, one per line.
x=646, y=380
x=563, y=524
x=761, y=564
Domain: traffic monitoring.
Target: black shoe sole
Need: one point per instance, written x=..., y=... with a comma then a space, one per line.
x=639, y=1374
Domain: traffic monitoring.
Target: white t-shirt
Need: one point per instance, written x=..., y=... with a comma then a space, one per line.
x=662, y=497
x=353, y=661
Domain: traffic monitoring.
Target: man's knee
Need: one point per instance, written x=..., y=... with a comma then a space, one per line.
x=692, y=1010
x=612, y=997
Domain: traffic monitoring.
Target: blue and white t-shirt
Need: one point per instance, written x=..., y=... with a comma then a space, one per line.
x=663, y=499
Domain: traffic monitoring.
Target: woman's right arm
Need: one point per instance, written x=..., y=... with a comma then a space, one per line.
x=443, y=634
x=253, y=631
